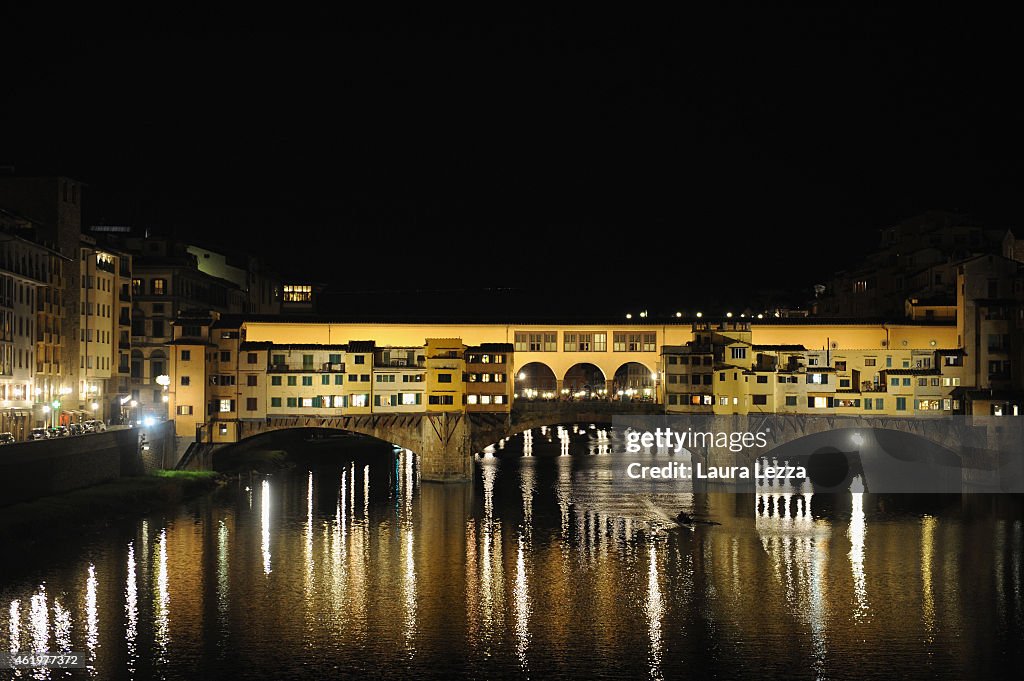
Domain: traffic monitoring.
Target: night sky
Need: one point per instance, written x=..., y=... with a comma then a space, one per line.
x=580, y=160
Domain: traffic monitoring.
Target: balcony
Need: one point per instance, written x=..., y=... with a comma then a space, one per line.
x=336, y=367
x=869, y=387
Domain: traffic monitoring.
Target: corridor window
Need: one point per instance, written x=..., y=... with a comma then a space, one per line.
x=650, y=342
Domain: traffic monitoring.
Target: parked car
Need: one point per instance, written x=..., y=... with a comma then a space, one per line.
x=75, y=429
x=59, y=431
x=39, y=434
x=6, y=438
x=95, y=426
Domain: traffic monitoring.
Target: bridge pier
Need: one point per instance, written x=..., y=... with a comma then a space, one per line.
x=445, y=452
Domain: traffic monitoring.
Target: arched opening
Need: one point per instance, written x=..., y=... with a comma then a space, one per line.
x=535, y=381
x=584, y=381
x=634, y=381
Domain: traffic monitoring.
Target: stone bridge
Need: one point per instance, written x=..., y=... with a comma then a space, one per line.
x=445, y=442
x=910, y=454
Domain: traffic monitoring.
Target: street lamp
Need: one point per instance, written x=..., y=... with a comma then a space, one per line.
x=164, y=380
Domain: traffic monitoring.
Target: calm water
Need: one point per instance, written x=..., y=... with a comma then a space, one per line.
x=349, y=567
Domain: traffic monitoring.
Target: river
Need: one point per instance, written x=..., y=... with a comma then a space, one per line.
x=348, y=566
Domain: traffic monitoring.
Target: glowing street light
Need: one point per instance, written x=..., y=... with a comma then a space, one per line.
x=728, y=314
x=522, y=375
x=700, y=314
x=629, y=316
x=94, y=406
x=679, y=314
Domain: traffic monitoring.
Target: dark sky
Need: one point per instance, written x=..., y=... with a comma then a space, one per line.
x=568, y=153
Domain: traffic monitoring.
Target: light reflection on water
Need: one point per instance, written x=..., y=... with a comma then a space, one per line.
x=540, y=568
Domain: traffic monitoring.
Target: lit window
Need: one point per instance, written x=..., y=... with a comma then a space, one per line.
x=470, y=399
x=485, y=399
x=226, y=405
x=360, y=400
x=820, y=402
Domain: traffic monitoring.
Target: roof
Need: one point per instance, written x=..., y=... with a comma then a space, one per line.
x=493, y=347
x=306, y=346
x=254, y=345
x=361, y=346
x=780, y=348
x=932, y=371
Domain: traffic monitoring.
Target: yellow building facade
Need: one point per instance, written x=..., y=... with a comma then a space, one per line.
x=258, y=369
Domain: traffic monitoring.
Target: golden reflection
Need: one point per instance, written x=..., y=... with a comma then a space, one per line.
x=366, y=493
x=472, y=585
x=564, y=492
x=161, y=604
x=334, y=541
x=309, y=529
x=797, y=547
x=265, y=525
x=39, y=622
x=222, y=575
x=654, y=610
x=409, y=589
x=410, y=483
x=92, y=624
x=489, y=472
x=131, y=611
x=527, y=483
x=61, y=627
x=522, y=607
x=927, y=593
x=857, y=532
x=14, y=627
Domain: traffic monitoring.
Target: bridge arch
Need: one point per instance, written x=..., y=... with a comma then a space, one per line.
x=535, y=380
x=634, y=379
x=584, y=379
